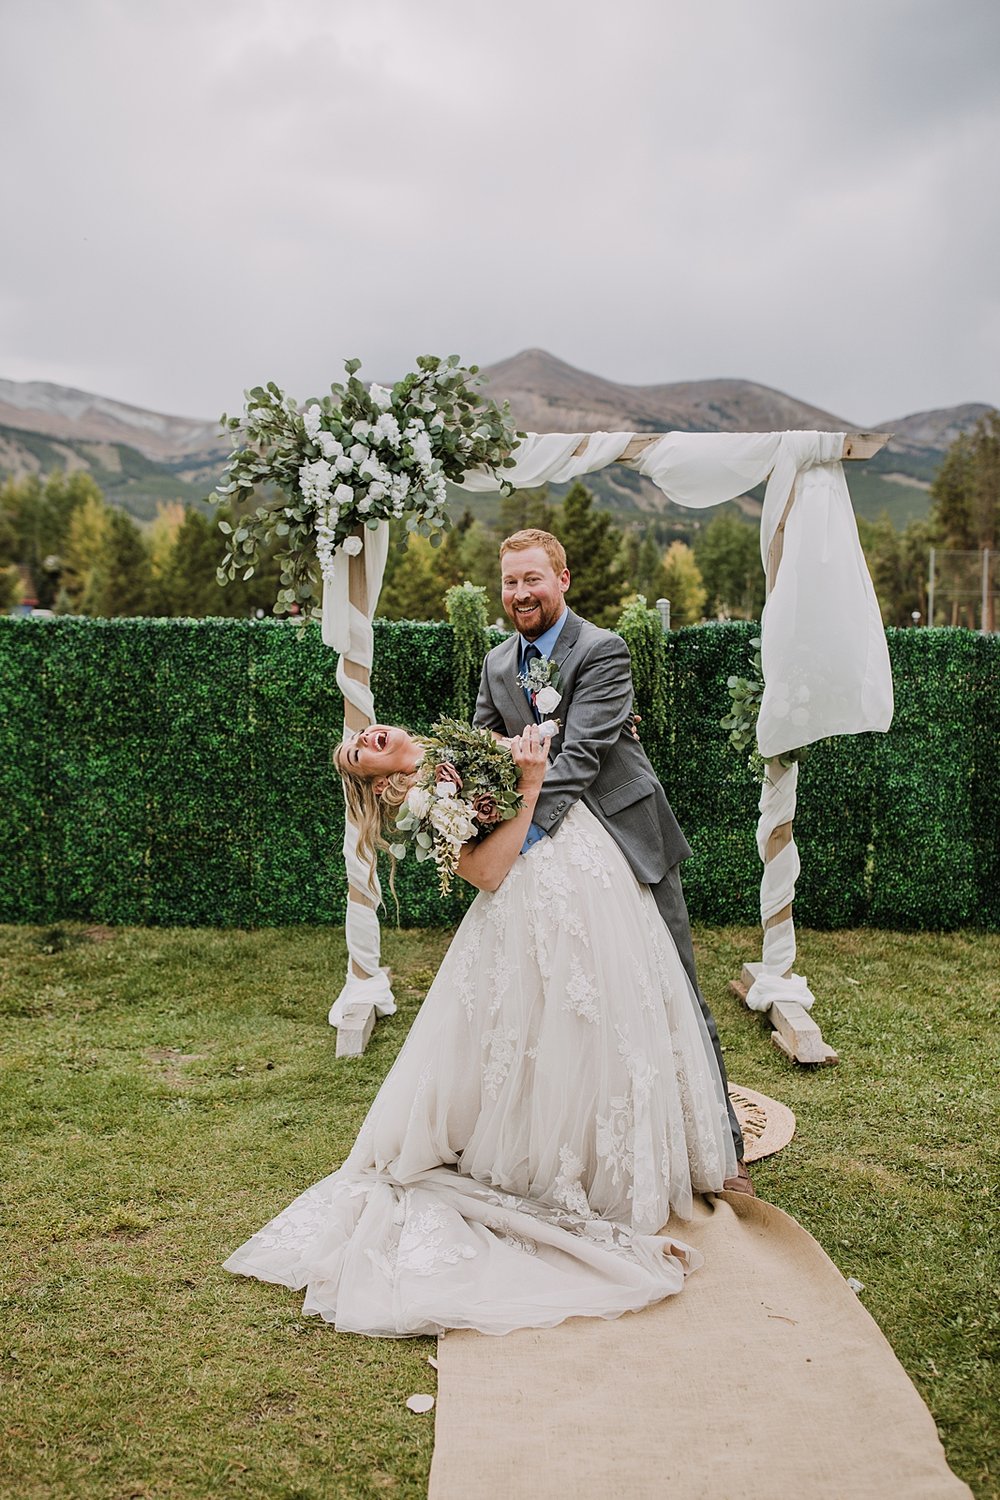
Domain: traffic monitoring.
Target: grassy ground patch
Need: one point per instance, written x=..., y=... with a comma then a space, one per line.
x=165, y=1091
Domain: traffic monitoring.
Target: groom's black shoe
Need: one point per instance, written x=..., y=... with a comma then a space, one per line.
x=741, y=1182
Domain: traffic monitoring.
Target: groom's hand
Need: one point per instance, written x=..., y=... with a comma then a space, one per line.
x=531, y=756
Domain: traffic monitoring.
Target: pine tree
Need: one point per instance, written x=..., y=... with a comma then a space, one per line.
x=480, y=559
x=728, y=555
x=121, y=581
x=951, y=493
x=526, y=509
x=592, y=542
x=414, y=588
x=83, y=548
x=188, y=584
x=161, y=539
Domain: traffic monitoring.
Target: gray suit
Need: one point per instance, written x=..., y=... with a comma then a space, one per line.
x=595, y=760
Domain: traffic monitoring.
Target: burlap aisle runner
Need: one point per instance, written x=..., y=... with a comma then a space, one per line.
x=765, y=1379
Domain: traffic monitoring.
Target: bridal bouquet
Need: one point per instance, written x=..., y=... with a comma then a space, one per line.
x=465, y=786
x=354, y=458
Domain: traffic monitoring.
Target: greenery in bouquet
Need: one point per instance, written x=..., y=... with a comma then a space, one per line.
x=466, y=785
x=349, y=460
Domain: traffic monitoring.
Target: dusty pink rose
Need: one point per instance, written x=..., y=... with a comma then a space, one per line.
x=445, y=773
x=485, y=808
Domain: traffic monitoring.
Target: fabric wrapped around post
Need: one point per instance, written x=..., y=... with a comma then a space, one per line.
x=349, y=630
x=777, y=890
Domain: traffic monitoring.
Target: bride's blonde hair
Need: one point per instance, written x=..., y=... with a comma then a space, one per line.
x=371, y=812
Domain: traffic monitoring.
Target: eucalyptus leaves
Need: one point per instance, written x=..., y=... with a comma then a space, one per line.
x=354, y=458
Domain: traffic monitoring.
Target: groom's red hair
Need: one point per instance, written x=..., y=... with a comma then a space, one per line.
x=551, y=545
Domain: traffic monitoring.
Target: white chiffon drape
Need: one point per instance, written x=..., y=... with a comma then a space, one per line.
x=556, y=1098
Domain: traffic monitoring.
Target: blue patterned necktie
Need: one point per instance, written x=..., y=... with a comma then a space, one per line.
x=531, y=653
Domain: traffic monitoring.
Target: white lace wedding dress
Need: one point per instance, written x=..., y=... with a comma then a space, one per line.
x=556, y=1098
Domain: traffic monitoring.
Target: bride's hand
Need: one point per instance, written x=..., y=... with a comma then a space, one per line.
x=531, y=756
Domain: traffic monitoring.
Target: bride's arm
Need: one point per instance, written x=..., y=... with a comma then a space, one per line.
x=485, y=864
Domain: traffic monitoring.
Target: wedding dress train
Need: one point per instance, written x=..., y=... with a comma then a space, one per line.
x=556, y=1098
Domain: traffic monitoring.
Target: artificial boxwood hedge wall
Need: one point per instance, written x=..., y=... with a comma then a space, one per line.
x=177, y=772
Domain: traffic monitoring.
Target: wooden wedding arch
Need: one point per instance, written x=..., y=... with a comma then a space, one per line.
x=793, y=1028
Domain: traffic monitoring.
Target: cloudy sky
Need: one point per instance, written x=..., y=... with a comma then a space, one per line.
x=203, y=194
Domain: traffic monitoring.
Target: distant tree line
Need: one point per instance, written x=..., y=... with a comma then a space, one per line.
x=64, y=546
x=965, y=502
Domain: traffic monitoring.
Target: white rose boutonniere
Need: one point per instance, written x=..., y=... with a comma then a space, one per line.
x=541, y=683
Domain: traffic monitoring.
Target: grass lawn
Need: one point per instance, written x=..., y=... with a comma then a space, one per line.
x=166, y=1091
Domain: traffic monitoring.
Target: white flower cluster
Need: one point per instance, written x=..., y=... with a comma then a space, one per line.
x=372, y=478
x=453, y=818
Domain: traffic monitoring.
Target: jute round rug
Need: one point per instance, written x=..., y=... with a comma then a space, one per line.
x=767, y=1125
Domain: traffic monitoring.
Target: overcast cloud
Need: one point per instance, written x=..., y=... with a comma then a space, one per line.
x=202, y=194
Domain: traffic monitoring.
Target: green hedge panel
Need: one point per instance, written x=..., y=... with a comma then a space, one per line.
x=710, y=788
x=178, y=771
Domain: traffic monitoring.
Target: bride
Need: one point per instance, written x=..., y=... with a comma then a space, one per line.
x=556, y=1099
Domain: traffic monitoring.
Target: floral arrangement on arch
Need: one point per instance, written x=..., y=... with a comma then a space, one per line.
x=352, y=459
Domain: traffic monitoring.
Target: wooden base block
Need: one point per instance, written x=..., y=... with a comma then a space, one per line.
x=354, y=1030
x=795, y=1032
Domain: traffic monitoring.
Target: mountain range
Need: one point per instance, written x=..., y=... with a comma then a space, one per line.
x=140, y=457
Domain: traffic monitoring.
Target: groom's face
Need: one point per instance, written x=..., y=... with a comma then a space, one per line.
x=532, y=590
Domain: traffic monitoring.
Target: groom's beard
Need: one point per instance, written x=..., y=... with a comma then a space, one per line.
x=536, y=622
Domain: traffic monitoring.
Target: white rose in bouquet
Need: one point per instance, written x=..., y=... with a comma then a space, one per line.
x=418, y=801
x=381, y=397
x=343, y=494
x=352, y=545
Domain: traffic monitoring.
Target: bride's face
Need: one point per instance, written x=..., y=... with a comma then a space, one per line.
x=380, y=750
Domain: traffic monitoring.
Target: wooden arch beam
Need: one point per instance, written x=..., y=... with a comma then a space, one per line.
x=857, y=445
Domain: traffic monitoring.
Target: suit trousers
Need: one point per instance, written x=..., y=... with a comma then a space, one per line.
x=669, y=897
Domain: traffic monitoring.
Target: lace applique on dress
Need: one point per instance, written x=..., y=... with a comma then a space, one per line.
x=300, y=1222
x=586, y=853
x=502, y=1049
x=615, y=1138
x=581, y=995
x=422, y=1248
x=567, y=1188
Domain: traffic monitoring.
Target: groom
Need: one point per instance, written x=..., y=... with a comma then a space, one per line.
x=594, y=757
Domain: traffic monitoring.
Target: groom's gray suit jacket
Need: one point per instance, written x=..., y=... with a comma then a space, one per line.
x=596, y=761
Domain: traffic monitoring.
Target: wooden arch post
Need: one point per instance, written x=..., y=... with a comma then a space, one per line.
x=355, y=720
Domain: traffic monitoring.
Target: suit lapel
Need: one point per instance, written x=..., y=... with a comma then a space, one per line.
x=516, y=709
x=567, y=638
